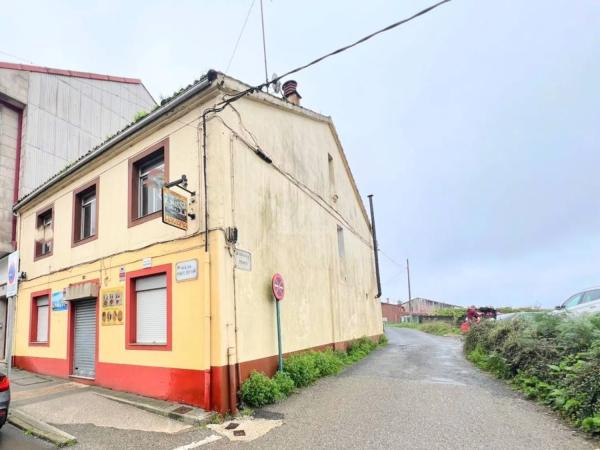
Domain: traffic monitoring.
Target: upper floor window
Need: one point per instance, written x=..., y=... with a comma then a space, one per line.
x=151, y=177
x=85, y=213
x=44, y=233
x=148, y=172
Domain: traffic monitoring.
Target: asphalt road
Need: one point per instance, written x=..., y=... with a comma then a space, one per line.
x=417, y=393
x=12, y=438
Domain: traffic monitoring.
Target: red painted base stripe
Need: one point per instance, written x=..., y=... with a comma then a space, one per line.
x=47, y=366
x=191, y=387
x=176, y=385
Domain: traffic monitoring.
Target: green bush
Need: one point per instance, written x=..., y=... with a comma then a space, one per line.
x=259, y=390
x=553, y=359
x=284, y=383
x=327, y=362
x=360, y=348
x=302, y=369
x=383, y=340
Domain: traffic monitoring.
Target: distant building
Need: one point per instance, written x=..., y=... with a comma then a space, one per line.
x=392, y=312
x=424, y=306
x=48, y=119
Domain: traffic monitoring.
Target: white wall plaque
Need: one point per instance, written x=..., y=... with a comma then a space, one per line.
x=243, y=260
x=186, y=270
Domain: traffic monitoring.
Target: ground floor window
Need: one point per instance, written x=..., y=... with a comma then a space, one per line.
x=149, y=309
x=39, y=326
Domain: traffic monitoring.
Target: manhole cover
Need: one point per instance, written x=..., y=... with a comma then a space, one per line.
x=239, y=433
x=232, y=426
x=182, y=410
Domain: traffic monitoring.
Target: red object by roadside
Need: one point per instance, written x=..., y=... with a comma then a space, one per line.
x=465, y=327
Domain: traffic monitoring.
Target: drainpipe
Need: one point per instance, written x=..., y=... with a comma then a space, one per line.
x=375, y=248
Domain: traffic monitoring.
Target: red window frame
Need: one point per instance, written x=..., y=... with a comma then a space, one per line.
x=130, y=308
x=33, y=318
x=77, y=196
x=133, y=167
x=36, y=254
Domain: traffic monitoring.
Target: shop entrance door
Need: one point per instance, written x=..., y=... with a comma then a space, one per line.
x=84, y=336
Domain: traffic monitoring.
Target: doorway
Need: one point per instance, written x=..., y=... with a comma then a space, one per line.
x=84, y=338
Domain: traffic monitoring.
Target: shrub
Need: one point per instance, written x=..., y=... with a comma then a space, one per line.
x=284, y=383
x=383, y=340
x=550, y=358
x=259, y=390
x=327, y=362
x=302, y=369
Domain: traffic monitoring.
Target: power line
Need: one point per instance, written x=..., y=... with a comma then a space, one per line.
x=259, y=87
x=364, y=39
x=240, y=36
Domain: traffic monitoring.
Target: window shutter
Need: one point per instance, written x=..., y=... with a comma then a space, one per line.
x=42, y=320
x=151, y=310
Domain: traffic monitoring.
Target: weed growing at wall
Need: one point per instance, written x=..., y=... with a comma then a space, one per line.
x=303, y=370
x=550, y=358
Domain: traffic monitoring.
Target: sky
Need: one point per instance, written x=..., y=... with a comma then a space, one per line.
x=476, y=126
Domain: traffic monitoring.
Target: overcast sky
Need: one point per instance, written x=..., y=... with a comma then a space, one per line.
x=476, y=127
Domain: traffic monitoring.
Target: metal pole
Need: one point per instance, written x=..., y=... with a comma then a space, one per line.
x=375, y=248
x=280, y=352
x=409, y=294
x=262, y=20
x=8, y=342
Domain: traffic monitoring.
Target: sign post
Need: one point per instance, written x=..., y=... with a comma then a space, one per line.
x=278, y=289
x=12, y=285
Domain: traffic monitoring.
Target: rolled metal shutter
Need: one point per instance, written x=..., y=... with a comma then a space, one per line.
x=84, y=354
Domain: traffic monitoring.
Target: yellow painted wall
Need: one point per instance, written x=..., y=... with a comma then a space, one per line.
x=190, y=309
x=113, y=234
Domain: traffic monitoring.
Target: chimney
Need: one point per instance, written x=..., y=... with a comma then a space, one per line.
x=290, y=93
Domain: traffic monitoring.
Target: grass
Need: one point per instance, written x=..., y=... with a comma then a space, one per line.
x=435, y=327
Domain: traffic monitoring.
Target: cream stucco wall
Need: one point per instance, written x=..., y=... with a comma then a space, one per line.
x=288, y=220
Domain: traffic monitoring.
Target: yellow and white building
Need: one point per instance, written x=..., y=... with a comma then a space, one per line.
x=114, y=296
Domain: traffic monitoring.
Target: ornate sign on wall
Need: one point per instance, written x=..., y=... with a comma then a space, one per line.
x=113, y=301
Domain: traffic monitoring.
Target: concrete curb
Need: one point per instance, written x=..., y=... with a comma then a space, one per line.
x=40, y=429
x=190, y=420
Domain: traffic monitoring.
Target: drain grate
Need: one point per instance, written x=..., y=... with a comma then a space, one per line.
x=232, y=426
x=239, y=433
x=182, y=410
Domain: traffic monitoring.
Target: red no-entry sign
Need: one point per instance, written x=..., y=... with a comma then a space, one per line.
x=278, y=287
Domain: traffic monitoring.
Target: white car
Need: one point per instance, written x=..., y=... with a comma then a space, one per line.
x=585, y=302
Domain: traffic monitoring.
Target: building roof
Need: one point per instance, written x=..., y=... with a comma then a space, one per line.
x=167, y=105
x=68, y=73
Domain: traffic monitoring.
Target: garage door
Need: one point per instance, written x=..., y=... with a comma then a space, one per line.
x=84, y=349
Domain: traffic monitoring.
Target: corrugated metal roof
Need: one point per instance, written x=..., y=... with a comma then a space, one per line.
x=68, y=73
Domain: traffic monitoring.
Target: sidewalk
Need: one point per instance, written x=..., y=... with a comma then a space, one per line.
x=42, y=404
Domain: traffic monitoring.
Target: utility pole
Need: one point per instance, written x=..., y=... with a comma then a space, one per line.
x=409, y=294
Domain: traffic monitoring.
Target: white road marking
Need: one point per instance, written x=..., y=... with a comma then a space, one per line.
x=208, y=440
